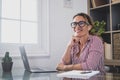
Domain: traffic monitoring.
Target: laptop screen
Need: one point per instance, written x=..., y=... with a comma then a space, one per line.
x=24, y=57
x=27, y=66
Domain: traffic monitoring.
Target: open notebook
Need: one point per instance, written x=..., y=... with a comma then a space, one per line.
x=27, y=66
x=78, y=74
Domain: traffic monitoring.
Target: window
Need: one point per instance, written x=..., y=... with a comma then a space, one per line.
x=21, y=22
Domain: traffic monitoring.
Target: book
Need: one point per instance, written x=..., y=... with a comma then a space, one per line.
x=116, y=46
x=108, y=54
x=115, y=1
x=81, y=74
x=93, y=3
x=96, y=3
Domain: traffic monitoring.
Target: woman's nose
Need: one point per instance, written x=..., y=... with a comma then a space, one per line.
x=78, y=27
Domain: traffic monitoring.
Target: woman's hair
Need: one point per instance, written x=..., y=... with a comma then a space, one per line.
x=86, y=17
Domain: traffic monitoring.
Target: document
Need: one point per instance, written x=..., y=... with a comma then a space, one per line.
x=78, y=74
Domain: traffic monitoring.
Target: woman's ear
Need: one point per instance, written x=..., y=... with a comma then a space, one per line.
x=89, y=27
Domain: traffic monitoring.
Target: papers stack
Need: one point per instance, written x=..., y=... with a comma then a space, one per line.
x=78, y=74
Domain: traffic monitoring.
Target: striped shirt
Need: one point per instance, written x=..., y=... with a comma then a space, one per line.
x=92, y=55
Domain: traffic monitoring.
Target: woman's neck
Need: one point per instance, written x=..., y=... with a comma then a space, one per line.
x=84, y=39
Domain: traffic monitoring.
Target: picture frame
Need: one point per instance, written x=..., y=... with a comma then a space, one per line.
x=68, y=3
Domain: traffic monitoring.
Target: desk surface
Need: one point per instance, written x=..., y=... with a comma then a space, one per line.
x=21, y=74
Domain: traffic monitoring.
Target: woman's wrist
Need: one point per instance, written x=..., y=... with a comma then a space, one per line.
x=69, y=46
x=71, y=66
x=68, y=67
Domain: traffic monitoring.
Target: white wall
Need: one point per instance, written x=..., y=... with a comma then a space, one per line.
x=60, y=32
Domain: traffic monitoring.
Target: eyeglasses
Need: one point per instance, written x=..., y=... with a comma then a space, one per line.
x=80, y=23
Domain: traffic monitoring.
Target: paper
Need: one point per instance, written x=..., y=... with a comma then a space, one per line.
x=78, y=74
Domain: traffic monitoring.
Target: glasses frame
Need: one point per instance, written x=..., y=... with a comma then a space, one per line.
x=81, y=24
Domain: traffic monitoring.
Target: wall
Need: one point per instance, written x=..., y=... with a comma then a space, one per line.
x=60, y=32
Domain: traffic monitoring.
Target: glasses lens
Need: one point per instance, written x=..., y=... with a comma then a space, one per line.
x=82, y=23
x=73, y=24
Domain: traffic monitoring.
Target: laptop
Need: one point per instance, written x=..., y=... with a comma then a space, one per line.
x=27, y=66
x=28, y=76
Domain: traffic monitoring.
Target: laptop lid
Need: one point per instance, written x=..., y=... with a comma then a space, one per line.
x=24, y=58
x=27, y=66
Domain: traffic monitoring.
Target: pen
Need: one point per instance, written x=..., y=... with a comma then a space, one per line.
x=85, y=72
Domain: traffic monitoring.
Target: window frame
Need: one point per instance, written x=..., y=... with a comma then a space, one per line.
x=40, y=49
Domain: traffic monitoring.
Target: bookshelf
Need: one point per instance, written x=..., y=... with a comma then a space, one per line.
x=96, y=3
x=108, y=10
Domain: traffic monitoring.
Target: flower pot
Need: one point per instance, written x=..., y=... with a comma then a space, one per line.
x=7, y=67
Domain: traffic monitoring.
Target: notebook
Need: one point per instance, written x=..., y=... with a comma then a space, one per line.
x=27, y=66
x=78, y=74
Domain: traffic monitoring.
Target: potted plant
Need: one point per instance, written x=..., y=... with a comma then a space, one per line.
x=98, y=28
x=7, y=63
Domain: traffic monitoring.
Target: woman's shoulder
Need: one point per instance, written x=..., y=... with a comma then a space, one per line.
x=95, y=37
x=96, y=42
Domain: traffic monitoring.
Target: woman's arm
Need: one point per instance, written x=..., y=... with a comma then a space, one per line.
x=69, y=67
x=65, y=63
x=65, y=59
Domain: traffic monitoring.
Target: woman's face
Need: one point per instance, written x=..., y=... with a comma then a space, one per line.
x=82, y=26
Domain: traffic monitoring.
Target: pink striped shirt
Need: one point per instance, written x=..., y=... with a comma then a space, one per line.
x=92, y=55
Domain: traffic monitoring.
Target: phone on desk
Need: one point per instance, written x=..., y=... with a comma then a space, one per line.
x=85, y=72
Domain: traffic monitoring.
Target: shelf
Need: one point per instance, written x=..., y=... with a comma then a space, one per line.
x=107, y=32
x=102, y=6
x=114, y=3
x=114, y=31
x=112, y=62
x=110, y=13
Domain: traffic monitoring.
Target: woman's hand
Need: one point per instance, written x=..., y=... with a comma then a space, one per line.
x=60, y=67
x=75, y=39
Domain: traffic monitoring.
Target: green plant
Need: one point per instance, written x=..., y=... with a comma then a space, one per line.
x=7, y=58
x=98, y=28
x=7, y=63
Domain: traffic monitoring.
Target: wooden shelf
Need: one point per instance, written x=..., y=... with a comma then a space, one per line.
x=110, y=13
x=112, y=62
x=102, y=6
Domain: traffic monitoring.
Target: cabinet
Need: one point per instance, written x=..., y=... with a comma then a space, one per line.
x=108, y=11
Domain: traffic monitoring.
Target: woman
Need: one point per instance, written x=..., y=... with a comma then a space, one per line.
x=84, y=51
